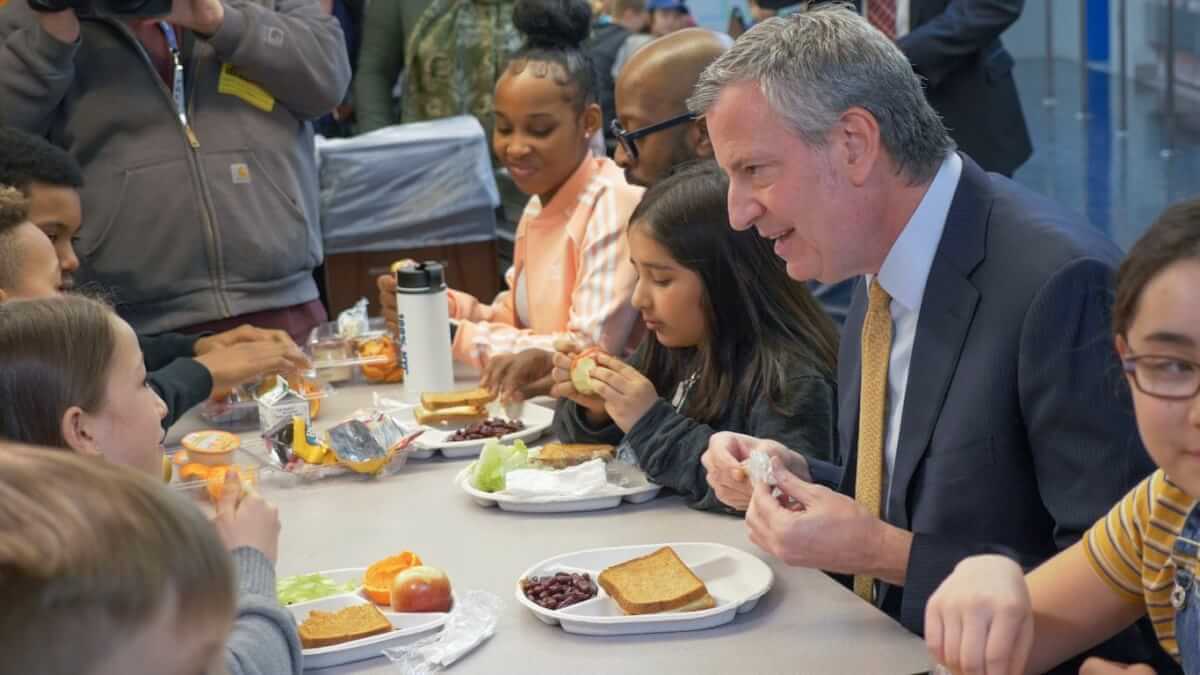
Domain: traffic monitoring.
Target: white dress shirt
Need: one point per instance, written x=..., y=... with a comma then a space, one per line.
x=902, y=14
x=903, y=275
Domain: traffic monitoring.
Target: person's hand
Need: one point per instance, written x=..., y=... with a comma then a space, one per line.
x=626, y=393
x=246, y=519
x=980, y=620
x=562, y=387
x=202, y=16
x=62, y=26
x=387, y=300
x=249, y=361
x=726, y=474
x=820, y=528
x=1099, y=666
x=243, y=333
x=520, y=376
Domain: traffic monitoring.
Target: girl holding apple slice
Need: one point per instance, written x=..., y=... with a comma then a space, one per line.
x=732, y=344
x=72, y=377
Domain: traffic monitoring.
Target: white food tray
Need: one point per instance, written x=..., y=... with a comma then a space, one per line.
x=735, y=579
x=537, y=421
x=410, y=627
x=599, y=502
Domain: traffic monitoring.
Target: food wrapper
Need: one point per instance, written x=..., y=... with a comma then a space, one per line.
x=472, y=621
x=354, y=322
x=369, y=442
x=758, y=468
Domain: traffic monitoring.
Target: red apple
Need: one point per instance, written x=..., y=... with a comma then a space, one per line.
x=421, y=589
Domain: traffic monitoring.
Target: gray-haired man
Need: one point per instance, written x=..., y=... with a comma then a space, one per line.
x=979, y=402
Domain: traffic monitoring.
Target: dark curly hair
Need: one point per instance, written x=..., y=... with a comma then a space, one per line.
x=554, y=32
x=25, y=159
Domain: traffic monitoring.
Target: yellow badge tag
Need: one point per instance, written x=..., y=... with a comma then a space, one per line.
x=235, y=85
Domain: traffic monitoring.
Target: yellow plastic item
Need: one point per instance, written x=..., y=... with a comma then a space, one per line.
x=168, y=469
x=305, y=447
x=371, y=466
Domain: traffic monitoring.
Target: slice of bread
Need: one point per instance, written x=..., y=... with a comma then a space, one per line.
x=562, y=455
x=322, y=629
x=463, y=414
x=655, y=583
x=478, y=398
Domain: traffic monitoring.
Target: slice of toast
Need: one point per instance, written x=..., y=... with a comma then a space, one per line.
x=322, y=629
x=478, y=398
x=463, y=414
x=562, y=455
x=655, y=583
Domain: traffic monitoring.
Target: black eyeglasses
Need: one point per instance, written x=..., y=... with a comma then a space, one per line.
x=1164, y=377
x=628, y=139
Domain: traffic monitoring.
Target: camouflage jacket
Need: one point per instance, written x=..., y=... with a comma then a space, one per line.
x=457, y=52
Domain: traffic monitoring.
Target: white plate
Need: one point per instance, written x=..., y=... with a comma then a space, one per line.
x=609, y=500
x=734, y=578
x=410, y=627
x=537, y=421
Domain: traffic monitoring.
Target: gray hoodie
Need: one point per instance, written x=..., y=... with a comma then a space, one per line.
x=264, y=640
x=180, y=232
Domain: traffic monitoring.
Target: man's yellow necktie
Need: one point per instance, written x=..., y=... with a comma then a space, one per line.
x=872, y=409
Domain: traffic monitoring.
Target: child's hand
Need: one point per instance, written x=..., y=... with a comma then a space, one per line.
x=562, y=386
x=246, y=519
x=627, y=394
x=980, y=620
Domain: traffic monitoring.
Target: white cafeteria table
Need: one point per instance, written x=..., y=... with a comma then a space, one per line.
x=807, y=623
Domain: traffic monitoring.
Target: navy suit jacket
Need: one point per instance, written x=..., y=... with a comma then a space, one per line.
x=955, y=46
x=1017, y=432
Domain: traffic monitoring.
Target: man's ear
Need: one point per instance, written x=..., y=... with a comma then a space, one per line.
x=702, y=147
x=76, y=431
x=3, y=295
x=857, y=145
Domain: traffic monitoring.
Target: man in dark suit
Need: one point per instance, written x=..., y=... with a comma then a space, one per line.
x=979, y=404
x=955, y=46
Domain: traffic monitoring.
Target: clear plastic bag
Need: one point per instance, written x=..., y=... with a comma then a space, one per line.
x=472, y=621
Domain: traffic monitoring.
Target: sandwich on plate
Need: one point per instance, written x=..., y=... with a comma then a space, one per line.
x=323, y=629
x=656, y=583
x=455, y=407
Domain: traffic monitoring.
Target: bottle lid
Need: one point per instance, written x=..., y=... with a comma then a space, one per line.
x=422, y=277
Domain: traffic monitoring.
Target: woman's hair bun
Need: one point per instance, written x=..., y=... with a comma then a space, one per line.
x=553, y=24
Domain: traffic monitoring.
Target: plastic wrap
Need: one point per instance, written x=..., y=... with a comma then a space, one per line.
x=408, y=186
x=472, y=621
x=371, y=442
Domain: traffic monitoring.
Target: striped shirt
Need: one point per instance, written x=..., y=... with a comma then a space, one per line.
x=1130, y=549
x=577, y=275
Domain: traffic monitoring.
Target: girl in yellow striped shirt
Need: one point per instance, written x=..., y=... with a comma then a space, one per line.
x=1141, y=559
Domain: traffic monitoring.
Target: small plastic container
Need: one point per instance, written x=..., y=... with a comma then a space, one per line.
x=210, y=447
x=366, y=357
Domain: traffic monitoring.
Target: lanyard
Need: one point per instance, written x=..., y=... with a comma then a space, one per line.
x=177, y=84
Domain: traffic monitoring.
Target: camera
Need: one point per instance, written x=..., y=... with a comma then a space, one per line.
x=105, y=7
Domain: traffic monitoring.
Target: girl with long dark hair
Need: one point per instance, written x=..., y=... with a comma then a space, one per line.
x=732, y=344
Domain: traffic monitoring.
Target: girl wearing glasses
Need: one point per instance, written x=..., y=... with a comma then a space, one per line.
x=1143, y=557
x=732, y=344
x=571, y=276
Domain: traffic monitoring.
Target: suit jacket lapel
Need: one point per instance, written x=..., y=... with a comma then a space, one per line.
x=947, y=310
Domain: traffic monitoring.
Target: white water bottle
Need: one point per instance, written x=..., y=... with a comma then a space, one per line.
x=423, y=317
